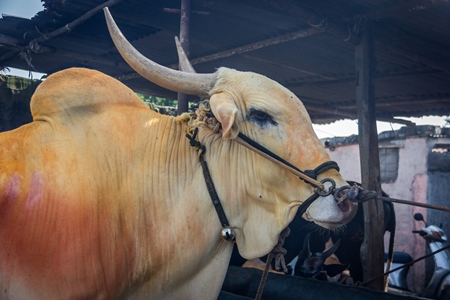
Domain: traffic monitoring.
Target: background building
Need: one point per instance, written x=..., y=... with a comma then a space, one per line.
x=414, y=165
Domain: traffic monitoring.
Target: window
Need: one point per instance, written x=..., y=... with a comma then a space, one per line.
x=388, y=164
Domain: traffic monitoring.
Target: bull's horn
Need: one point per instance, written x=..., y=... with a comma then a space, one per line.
x=182, y=82
x=305, y=252
x=330, y=251
x=185, y=64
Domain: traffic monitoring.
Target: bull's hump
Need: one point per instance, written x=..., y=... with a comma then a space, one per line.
x=77, y=90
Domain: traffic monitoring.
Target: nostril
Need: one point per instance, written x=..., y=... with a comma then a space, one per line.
x=343, y=206
x=341, y=193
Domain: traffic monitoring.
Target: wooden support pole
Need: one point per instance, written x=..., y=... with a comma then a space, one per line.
x=185, y=32
x=372, y=249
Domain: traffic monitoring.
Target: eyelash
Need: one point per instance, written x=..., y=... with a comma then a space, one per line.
x=260, y=117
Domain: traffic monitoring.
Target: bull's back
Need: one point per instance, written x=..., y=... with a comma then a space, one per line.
x=63, y=233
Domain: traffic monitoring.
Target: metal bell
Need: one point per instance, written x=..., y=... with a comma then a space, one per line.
x=227, y=234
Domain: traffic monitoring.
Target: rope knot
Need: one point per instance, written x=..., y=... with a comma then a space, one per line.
x=279, y=252
x=203, y=117
x=195, y=143
x=354, y=193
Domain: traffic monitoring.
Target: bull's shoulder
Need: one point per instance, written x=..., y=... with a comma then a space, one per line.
x=76, y=90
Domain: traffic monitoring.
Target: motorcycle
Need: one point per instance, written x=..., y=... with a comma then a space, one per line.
x=438, y=286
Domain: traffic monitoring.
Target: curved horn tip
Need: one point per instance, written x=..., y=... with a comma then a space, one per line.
x=177, y=81
x=330, y=251
x=185, y=64
x=107, y=13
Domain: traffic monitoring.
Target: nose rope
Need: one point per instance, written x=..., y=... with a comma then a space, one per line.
x=357, y=194
x=309, y=176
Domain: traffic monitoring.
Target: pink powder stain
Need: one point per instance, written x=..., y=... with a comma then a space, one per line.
x=35, y=192
x=12, y=189
x=10, y=196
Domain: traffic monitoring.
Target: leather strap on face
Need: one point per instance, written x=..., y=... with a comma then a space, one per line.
x=227, y=233
x=309, y=176
x=322, y=168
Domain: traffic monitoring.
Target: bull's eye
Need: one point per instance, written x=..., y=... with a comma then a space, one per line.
x=260, y=117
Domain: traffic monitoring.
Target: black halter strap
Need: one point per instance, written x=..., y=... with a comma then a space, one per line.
x=227, y=233
x=215, y=200
x=322, y=168
x=310, y=173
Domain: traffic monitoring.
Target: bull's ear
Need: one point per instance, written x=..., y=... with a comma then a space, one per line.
x=224, y=109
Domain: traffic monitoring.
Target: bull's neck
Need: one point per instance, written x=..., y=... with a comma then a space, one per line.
x=178, y=212
x=172, y=162
x=175, y=167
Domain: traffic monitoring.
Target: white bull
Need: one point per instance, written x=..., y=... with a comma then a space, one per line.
x=101, y=198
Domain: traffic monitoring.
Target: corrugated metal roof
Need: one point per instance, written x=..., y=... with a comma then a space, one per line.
x=412, y=43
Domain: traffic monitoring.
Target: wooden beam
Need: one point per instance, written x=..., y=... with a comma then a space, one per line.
x=177, y=11
x=402, y=45
x=287, y=67
x=332, y=111
x=395, y=120
x=242, y=49
x=316, y=20
x=410, y=6
x=347, y=109
x=341, y=31
x=35, y=43
x=332, y=119
x=9, y=40
x=77, y=56
x=405, y=100
x=351, y=78
x=257, y=45
x=350, y=114
x=414, y=101
x=372, y=249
